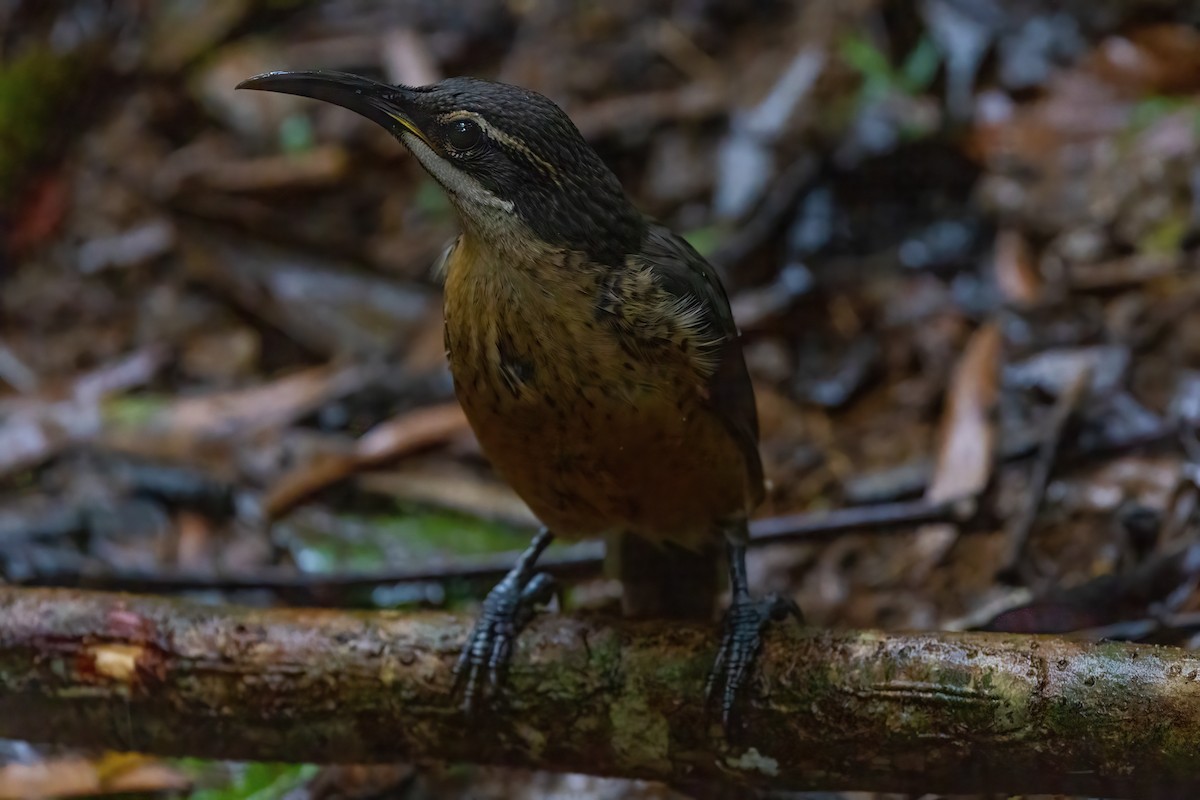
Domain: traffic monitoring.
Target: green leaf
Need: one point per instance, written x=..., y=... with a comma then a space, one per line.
x=862, y=55
x=253, y=781
x=36, y=89
x=705, y=239
x=920, y=66
x=1152, y=109
x=1165, y=237
x=368, y=542
x=133, y=410
x=431, y=199
x=296, y=134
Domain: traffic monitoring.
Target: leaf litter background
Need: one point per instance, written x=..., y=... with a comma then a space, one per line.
x=960, y=236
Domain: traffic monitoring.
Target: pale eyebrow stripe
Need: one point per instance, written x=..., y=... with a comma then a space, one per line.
x=503, y=138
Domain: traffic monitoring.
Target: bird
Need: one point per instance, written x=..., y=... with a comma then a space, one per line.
x=593, y=351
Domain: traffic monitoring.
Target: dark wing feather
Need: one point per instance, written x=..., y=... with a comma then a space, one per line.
x=683, y=273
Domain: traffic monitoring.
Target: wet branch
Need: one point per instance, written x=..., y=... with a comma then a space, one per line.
x=920, y=713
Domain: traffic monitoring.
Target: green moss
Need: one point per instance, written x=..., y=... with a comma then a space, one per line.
x=880, y=77
x=1166, y=237
x=134, y=410
x=432, y=531
x=1178, y=748
x=604, y=653
x=1156, y=107
x=35, y=89
x=640, y=735
x=412, y=534
x=954, y=677
x=253, y=781
x=432, y=201
x=296, y=134
x=705, y=239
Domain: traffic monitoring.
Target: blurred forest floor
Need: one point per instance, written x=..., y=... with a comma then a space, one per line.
x=961, y=237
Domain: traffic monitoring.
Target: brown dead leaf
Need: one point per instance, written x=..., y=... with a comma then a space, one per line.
x=328, y=307
x=181, y=31
x=193, y=547
x=1119, y=273
x=319, y=472
x=39, y=213
x=1095, y=97
x=409, y=432
x=233, y=431
x=427, y=352
x=967, y=439
x=967, y=436
x=1155, y=59
x=386, y=442
x=319, y=166
x=115, y=773
x=274, y=404
x=452, y=487
x=1016, y=275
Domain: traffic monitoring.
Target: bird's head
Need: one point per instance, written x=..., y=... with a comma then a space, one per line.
x=512, y=162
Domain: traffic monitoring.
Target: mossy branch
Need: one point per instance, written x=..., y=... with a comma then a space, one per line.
x=920, y=713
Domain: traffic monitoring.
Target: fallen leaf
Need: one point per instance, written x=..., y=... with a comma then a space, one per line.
x=454, y=488
x=967, y=439
x=180, y=32
x=320, y=166
x=390, y=440
x=406, y=433
x=328, y=307
x=292, y=487
x=114, y=773
x=274, y=404
x=1017, y=276
x=967, y=436
x=40, y=213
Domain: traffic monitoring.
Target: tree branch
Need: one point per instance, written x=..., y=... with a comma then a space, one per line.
x=920, y=713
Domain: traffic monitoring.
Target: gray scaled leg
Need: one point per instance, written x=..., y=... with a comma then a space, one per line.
x=741, y=637
x=508, y=609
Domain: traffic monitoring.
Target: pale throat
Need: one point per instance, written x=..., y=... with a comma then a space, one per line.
x=488, y=216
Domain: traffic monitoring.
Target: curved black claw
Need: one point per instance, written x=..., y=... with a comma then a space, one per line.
x=509, y=607
x=741, y=641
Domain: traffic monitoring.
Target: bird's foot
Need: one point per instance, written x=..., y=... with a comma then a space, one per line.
x=741, y=641
x=508, y=609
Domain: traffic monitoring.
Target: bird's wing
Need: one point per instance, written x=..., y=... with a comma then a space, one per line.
x=693, y=287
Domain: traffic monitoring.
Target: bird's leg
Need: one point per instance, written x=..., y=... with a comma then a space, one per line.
x=509, y=607
x=741, y=638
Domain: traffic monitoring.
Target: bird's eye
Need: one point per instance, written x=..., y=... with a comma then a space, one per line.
x=464, y=135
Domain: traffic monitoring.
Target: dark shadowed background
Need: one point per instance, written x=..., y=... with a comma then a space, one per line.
x=960, y=237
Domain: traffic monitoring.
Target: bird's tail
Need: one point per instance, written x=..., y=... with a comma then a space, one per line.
x=663, y=580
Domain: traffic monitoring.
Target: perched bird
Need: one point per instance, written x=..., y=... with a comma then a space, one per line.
x=592, y=349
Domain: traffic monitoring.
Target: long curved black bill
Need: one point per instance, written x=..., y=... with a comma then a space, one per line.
x=396, y=108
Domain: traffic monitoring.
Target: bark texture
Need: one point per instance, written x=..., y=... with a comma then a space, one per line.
x=862, y=710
